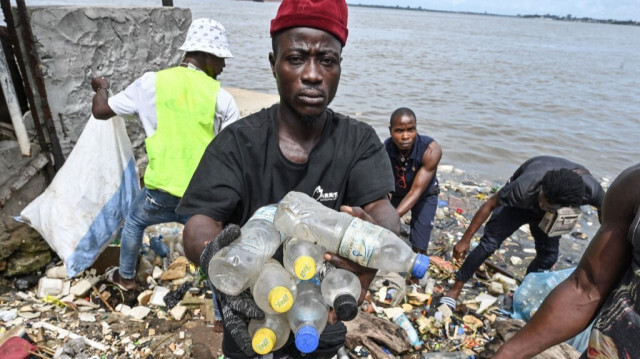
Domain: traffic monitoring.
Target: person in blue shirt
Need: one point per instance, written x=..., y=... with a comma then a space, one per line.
x=414, y=159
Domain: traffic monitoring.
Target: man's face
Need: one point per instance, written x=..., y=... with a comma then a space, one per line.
x=544, y=203
x=307, y=70
x=213, y=65
x=403, y=131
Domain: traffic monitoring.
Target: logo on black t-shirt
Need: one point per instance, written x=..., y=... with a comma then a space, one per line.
x=319, y=195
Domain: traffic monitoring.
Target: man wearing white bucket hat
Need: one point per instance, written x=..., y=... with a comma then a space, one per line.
x=181, y=109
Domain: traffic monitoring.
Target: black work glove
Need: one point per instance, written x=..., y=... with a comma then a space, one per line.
x=236, y=310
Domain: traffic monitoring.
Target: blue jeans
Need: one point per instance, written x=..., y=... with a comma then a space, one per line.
x=503, y=222
x=422, y=214
x=148, y=208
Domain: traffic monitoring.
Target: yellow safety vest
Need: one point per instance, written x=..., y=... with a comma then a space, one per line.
x=185, y=108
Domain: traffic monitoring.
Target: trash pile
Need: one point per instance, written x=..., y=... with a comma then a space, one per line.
x=171, y=315
x=89, y=317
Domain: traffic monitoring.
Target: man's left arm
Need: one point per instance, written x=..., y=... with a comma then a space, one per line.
x=430, y=161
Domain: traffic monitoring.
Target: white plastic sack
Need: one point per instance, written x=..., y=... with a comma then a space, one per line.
x=89, y=197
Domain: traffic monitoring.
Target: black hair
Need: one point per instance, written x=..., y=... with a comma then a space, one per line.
x=402, y=111
x=563, y=187
x=275, y=41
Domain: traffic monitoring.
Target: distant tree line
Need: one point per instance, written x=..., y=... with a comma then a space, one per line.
x=581, y=19
x=569, y=17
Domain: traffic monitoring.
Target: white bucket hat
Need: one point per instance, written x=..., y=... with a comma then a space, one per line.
x=208, y=36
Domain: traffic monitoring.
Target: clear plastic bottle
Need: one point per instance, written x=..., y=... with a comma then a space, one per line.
x=403, y=321
x=341, y=290
x=274, y=289
x=308, y=316
x=302, y=258
x=232, y=268
x=449, y=355
x=365, y=243
x=269, y=334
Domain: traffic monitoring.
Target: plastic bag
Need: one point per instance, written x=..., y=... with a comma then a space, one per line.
x=89, y=198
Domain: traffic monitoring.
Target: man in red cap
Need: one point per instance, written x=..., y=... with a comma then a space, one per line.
x=299, y=144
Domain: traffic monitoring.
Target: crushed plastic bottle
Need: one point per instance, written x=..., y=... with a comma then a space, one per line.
x=365, y=243
x=269, y=334
x=274, y=289
x=302, y=258
x=308, y=317
x=403, y=321
x=341, y=290
x=232, y=268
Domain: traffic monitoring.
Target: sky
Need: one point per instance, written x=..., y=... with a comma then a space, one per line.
x=596, y=9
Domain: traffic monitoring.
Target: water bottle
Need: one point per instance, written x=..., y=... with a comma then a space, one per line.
x=158, y=246
x=231, y=269
x=365, y=243
x=308, y=317
x=302, y=258
x=449, y=355
x=403, y=322
x=428, y=284
x=274, y=289
x=341, y=290
x=269, y=334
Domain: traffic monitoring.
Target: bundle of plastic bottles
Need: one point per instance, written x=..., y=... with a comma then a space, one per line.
x=293, y=296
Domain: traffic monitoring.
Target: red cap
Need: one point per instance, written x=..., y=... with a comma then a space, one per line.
x=328, y=15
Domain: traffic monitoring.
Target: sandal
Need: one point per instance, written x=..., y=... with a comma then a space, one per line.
x=112, y=275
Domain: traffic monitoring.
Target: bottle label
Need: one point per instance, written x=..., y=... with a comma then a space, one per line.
x=359, y=241
x=267, y=213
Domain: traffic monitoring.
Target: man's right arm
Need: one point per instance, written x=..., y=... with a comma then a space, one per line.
x=572, y=305
x=100, y=105
x=198, y=231
x=462, y=247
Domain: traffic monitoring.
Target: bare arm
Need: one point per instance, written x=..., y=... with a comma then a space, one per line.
x=430, y=161
x=199, y=230
x=100, y=105
x=573, y=304
x=462, y=247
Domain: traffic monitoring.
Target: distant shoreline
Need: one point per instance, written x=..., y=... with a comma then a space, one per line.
x=532, y=16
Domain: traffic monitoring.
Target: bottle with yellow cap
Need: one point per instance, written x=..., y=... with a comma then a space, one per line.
x=274, y=289
x=269, y=334
x=302, y=258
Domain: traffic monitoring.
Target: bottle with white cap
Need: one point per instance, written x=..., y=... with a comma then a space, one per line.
x=269, y=334
x=341, y=289
x=365, y=243
x=302, y=258
x=308, y=317
x=231, y=269
x=274, y=289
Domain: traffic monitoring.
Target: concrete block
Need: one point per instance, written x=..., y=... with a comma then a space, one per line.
x=121, y=43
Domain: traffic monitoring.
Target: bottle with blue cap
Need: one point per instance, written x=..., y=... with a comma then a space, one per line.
x=233, y=267
x=302, y=258
x=341, y=289
x=269, y=334
x=367, y=244
x=308, y=317
x=274, y=289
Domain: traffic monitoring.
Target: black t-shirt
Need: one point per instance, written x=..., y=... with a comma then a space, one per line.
x=522, y=189
x=244, y=169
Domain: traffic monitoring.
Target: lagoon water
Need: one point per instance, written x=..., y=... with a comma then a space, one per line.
x=493, y=91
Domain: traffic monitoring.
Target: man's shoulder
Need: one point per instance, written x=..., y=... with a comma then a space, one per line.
x=257, y=120
x=350, y=125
